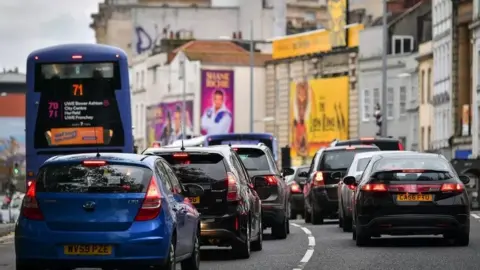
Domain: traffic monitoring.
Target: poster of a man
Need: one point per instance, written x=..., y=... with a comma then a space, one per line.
x=217, y=118
x=301, y=109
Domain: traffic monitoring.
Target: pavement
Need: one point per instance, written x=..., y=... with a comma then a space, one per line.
x=313, y=247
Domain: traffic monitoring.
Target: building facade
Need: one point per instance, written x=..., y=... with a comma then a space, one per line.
x=426, y=116
x=475, y=123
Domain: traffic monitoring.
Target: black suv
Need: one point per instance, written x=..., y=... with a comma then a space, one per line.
x=230, y=207
x=384, y=143
x=270, y=185
x=328, y=166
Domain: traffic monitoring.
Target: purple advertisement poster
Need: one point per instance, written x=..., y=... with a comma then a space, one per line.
x=217, y=102
x=164, y=122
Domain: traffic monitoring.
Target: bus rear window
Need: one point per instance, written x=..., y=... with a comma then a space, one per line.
x=76, y=178
x=78, y=106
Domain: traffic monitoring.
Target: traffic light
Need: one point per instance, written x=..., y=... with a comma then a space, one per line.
x=378, y=118
x=16, y=170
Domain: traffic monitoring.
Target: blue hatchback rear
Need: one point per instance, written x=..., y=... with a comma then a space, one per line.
x=112, y=211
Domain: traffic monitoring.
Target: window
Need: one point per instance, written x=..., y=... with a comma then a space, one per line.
x=429, y=85
x=366, y=105
x=163, y=175
x=376, y=97
x=142, y=80
x=429, y=137
x=173, y=178
x=198, y=168
x=390, y=98
x=422, y=139
x=154, y=75
x=422, y=85
x=403, y=100
x=253, y=159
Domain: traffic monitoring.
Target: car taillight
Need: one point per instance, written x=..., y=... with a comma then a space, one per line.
x=295, y=188
x=271, y=180
x=318, y=179
x=30, y=207
x=400, y=146
x=351, y=187
x=232, y=189
x=452, y=187
x=374, y=187
x=152, y=203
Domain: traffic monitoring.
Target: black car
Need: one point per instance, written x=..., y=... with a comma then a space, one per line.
x=270, y=185
x=410, y=194
x=384, y=143
x=295, y=183
x=328, y=166
x=230, y=207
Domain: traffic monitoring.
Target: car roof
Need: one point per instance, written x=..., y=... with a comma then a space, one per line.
x=260, y=146
x=374, y=153
x=217, y=149
x=112, y=157
x=385, y=139
x=343, y=147
x=409, y=154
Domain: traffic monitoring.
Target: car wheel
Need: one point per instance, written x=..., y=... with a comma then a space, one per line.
x=362, y=238
x=280, y=230
x=193, y=262
x=257, y=245
x=306, y=215
x=288, y=226
x=462, y=239
x=317, y=216
x=242, y=249
x=170, y=263
x=347, y=224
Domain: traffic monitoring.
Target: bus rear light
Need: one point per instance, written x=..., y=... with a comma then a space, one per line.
x=36, y=57
x=77, y=57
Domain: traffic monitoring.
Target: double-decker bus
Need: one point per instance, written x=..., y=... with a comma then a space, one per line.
x=244, y=138
x=77, y=101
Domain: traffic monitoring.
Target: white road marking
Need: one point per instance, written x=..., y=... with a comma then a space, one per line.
x=475, y=216
x=310, y=249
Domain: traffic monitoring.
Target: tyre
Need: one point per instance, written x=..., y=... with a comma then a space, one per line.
x=170, y=263
x=288, y=226
x=280, y=230
x=307, y=216
x=362, y=238
x=193, y=263
x=257, y=245
x=25, y=266
x=347, y=224
x=317, y=217
x=293, y=213
x=242, y=250
x=462, y=239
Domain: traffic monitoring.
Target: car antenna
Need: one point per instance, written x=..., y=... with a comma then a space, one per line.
x=183, y=147
x=96, y=141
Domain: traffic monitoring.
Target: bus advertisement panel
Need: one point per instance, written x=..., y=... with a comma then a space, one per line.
x=77, y=102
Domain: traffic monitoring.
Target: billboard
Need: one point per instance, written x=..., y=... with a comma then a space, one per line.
x=164, y=122
x=318, y=114
x=217, y=102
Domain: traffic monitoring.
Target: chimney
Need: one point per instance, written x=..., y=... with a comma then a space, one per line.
x=172, y=35
x=234, y=35
x=240, y=35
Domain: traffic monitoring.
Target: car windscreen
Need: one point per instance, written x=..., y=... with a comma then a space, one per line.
x=76, y=178
x=197, y=168
x=253, y=159
x=340, y=159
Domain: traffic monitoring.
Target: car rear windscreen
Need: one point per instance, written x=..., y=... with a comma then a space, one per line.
x=253, y=159
x=362, y=164
x=242, y=140
x=340, y=159
x=384, y=145
x=76, y=178
x=409, y=175
x=412, y=163
x=197, y=168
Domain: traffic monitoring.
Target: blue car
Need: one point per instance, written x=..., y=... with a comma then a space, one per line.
x=108, y=210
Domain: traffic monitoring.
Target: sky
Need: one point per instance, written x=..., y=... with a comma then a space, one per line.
x=28, y=25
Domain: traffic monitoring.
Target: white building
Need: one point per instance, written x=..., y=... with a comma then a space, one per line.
x=155, y=79
x=442, y=69
x=475, y=26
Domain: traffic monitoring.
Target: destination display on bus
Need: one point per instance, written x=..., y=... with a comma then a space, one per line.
x=77, y=105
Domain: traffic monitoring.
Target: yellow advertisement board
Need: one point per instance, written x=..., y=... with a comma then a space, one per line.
x=312, y=42
x=318, y=115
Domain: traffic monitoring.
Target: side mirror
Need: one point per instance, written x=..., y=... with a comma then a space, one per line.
x=259, y=181
x=336, y=175
x=288, y=171
x=357, y=177
x=303, y=174
x=350, y=180
x=465, y=179
x=193, y=190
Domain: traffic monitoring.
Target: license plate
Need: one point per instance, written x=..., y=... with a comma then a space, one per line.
x=90, y=250
x=194, y=200
x=415, y=197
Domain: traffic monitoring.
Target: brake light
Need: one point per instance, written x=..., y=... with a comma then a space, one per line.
x=367, y=139
x=350, y=148
x=271, y=180
x=94, y=163
x=156, y=145
x=374, y=187
x=351, y=187
x=30, y=207
x=452, y=187
x=77, y=57
x=318, y=179
x=235, y=149
x=400, y=146
x=152, y=203
x=232, y=189
x=180, y=155
x=295, y=188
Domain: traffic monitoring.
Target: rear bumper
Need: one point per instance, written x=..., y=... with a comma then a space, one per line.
x=221, y=230
x=328, y=206
x=84, y=263
x=297, y=202
x=143, y=241
x=273, y=214
x=415, y=224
